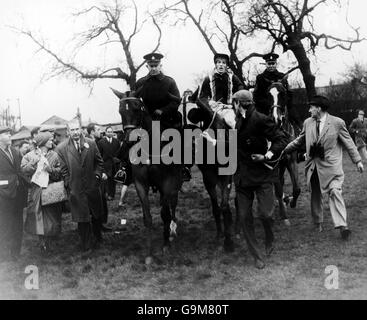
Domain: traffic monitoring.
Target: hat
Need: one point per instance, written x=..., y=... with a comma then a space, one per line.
x=320, y=101
x=4, y=129
x=153, y=57
x=271, y=57
x=243, y=95
x=42, y=138
x=222, y=56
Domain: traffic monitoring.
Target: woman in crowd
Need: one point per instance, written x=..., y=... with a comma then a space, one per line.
x=44, y=221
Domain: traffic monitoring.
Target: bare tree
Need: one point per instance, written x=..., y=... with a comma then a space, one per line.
x=110, y=29
x=290, y=24
x=218, y=22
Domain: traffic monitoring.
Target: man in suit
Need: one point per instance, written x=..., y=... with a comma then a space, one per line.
x=13, y=198
x=252, y=178
x=109, y=147
x=81, y=168
x=94, y=133
x=325, y=136
x=358, y=128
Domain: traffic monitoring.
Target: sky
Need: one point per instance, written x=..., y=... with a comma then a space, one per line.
x=186, y=55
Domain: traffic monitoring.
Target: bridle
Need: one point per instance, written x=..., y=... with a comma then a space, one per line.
x=142, y=110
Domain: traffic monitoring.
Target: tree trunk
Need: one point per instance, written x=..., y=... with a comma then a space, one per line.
x=304, y=65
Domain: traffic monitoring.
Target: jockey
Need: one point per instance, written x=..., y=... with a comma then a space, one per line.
x=262, y=98
x=159, y=93
x=218, y=87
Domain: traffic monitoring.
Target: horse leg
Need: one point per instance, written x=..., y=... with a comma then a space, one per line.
x=143, y=192
x=237, y=226
x=227, y=215
x=279, y=192
x=292, y=168
x=166, y=218
x=210, y=184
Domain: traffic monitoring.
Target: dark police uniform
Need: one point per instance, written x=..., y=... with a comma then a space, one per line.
x=253, y=177
x=160, y=92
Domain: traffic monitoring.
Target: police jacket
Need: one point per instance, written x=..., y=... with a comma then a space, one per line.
x=158, y=92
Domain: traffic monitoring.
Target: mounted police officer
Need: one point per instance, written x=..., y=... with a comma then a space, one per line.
x=159, y=93
x=262, y=97
x=161, y=97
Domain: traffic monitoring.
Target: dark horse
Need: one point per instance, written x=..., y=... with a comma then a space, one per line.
x=280, y=114
x=211, y=177
x=167, y=179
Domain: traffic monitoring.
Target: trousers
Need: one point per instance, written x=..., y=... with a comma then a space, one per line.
x=265, y=197
x=336, y=203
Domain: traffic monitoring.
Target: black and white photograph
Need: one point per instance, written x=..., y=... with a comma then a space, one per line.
x=183, y=154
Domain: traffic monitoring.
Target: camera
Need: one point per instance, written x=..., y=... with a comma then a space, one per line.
x=317, y=151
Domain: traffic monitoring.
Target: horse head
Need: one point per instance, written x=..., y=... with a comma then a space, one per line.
x=279, y=108
x=132, y=111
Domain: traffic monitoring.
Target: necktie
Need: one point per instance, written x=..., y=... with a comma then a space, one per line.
x=78, y=146
x=8, y=153
x=317, y=128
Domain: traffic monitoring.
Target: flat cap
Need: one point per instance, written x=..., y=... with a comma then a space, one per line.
x=320, y=101
x=221, y=56
x=243, y=95
x=153, y=57
x=271, y=57
x=4, y=129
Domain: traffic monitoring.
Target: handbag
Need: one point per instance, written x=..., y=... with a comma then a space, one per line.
x=54, y=193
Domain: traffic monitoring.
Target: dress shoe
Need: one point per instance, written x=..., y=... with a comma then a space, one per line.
x=259, y=264
x=345, y=233
x=106, y=229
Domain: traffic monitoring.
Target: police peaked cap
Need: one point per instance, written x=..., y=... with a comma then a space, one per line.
x=222, y=56
x=320, y=101
x=271, y=57
x=153, y=57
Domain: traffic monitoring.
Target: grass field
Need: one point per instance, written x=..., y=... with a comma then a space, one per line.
x=197, y=267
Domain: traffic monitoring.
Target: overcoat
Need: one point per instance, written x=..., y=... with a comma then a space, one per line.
x=358, y=129
x=333, y=137
x=82, y=175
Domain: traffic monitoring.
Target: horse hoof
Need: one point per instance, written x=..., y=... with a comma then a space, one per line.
x=148, y=260
x=171, y=238
x=269, y=249
x=238, y=236
x=287, y=222
x=293, y=204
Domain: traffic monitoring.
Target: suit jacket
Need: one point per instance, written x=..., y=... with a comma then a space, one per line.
x=361, y=135
x=252, y=135
x=333, y=138
x=109, y=152
x=82, y=174
x=13, y=184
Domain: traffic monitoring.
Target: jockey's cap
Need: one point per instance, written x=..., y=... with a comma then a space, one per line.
x=221, y=56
